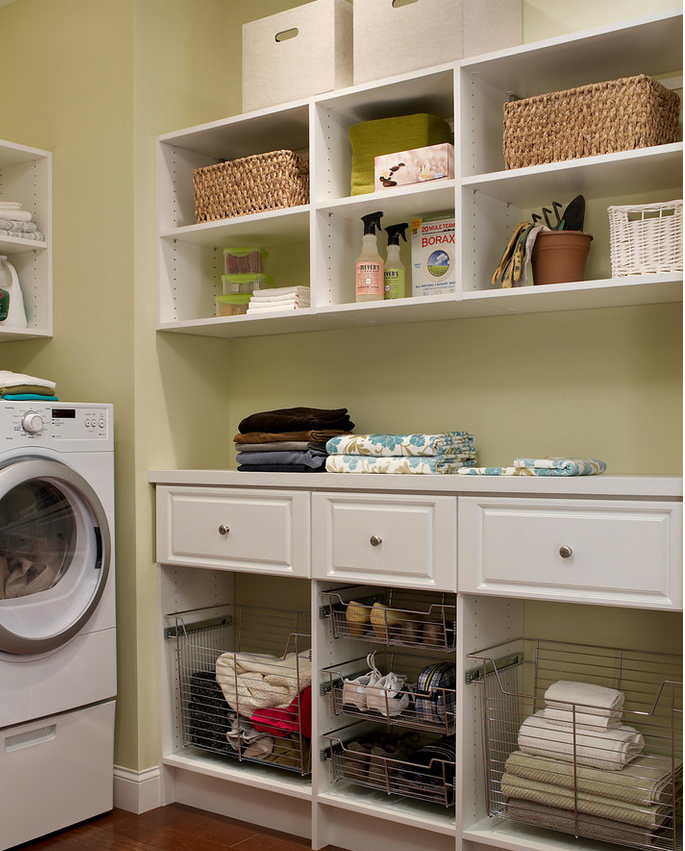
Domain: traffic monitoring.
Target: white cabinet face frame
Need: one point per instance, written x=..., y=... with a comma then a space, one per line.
x=408, y=541
x=603, y=551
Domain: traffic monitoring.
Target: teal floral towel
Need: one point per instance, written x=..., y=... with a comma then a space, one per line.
x=456, y=444
x=492, y=471
x=541, y=467
x=562, y=466
x=397, y=464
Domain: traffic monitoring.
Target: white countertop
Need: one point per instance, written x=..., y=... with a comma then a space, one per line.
x=664, y=487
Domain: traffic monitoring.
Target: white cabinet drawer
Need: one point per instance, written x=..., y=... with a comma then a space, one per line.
x=234, y=529
x=623, y=553
x=405, y=540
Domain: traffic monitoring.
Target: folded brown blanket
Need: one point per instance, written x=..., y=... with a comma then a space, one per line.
x=296, y=419
x=310, y=436
x=587, y=826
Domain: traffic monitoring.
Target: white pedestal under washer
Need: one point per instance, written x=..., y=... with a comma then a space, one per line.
x=57, y=616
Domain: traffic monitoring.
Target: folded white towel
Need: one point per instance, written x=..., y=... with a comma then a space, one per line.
x=17, y=215
x=279, y=308
x=10, y=205
x=609, y=749
x=586, y=704
x=281, y=299
x=277, y=291
x=17, y=379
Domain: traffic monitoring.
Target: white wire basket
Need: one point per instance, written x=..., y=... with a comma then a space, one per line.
x=622, y=784
x=646, y=238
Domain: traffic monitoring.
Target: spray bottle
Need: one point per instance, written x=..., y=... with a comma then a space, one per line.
x=369, y=267
x=394, y=275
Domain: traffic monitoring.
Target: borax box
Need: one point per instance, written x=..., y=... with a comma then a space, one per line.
x=432, y=256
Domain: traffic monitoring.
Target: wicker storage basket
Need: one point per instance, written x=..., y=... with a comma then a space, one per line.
x=646, y=238
x=250, y=185
x=619, y=115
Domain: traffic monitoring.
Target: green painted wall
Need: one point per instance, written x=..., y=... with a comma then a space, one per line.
x=95, y=81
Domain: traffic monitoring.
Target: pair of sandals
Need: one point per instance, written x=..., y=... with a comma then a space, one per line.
x=388, y=695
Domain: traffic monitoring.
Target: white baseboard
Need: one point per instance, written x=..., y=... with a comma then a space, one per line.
x=137, y=791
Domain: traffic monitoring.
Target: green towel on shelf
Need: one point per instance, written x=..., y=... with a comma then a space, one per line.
x=372, y=139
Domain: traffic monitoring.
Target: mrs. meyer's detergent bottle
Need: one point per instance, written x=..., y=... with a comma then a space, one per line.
x=369, y=266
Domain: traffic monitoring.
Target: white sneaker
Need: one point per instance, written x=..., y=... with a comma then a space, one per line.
x=355, y=691
x=389, y=696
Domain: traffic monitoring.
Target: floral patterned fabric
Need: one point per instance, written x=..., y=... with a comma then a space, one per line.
x=542, y=467
x=455, y=444
x=392, y=464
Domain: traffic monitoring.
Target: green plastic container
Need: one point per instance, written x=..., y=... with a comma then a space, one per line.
x=232, y=305
x=237, y=261
x=245, y=282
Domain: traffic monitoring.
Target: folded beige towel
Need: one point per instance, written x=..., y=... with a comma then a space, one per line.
x=556, y=796
x=647, y=780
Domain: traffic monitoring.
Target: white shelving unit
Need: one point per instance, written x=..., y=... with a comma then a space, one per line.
x=26, y=177
x=627, y=538
x=318, y=243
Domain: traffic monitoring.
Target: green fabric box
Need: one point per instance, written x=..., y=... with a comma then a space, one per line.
x=371, y=139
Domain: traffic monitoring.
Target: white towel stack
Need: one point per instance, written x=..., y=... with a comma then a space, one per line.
x=278, y=299
x=17, y=222
x=581, y=722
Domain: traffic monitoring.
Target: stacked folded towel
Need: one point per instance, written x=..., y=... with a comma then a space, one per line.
x=542, y=467
x=577, y=763
x=444, y=452
x=277, y=299
x=15, y=386
x=288, y=440
x=17, y=222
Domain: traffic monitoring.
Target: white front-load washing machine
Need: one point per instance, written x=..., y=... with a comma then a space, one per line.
x=57, y=616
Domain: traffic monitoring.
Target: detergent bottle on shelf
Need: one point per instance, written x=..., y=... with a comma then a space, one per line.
x=369, y=264
x=394, y=278
x=11, y=297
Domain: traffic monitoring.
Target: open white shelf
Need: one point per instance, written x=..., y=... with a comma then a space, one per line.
x=26, y=177
x=317, y=244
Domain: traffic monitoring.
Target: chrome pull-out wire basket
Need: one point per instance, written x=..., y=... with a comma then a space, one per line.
x=425, y=701
x=244, y=683
x=424, y=772
x=584, y=740
x=423, y=620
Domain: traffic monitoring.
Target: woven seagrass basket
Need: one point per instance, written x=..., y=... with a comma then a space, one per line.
x=250, y=185
x=646, y=238
x=618, y=115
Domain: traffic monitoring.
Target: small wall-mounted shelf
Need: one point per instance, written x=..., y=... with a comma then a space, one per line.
x=26, y=177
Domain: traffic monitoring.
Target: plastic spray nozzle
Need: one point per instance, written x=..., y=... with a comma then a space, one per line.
x=372, y=222
x=395, y=231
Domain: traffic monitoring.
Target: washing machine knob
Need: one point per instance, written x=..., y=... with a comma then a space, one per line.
x=32, y=422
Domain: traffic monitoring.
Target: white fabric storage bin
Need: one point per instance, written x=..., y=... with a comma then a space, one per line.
x=397, y=36
x=297, y=53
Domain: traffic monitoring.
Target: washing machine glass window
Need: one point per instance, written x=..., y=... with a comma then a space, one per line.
x=54, y=555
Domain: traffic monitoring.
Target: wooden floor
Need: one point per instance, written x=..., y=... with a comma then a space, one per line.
x=172, y=828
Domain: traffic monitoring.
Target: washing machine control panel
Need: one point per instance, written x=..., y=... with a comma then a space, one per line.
x=80, y=427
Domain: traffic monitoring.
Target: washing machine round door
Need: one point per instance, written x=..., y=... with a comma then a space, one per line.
x=55, y=551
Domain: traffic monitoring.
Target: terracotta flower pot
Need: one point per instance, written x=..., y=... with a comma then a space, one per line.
x=559, y=256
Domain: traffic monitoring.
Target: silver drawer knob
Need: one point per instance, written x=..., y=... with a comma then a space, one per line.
x=375, y=541
x=224, y=530
x=565, y=552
